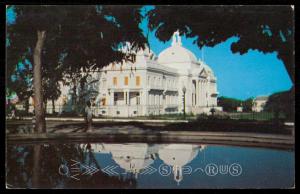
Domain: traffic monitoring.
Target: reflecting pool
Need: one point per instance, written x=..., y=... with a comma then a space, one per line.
x=142, y=165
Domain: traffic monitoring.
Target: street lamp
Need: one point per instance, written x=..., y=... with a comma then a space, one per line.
x=184, y=91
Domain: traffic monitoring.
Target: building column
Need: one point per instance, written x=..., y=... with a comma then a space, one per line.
x=140, y=97
x=206, y=92
x=198, y=93
x=209, y=94
x=202, y=93
x=128, y=97
x=111, y=103
x=124, y=97
x=111, y=98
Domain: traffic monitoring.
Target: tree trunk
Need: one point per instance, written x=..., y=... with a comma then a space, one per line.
x=27, y=106
x=40, y=125
x=45, y=106
x=74, y=103
x=36, y=166
x=53, y=106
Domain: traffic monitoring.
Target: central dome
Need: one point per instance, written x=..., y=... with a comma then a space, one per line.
x=177, y=54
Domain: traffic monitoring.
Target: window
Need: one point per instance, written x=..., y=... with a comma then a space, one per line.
x=126, y=81
x=115, y=81
x=103, y=101
x=137, y=80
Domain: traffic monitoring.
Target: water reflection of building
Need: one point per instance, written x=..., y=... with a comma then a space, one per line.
x=177, y=156
x=134, y=157
x=131, y=157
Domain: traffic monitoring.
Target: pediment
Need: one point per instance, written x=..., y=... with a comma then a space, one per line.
x=203, y=73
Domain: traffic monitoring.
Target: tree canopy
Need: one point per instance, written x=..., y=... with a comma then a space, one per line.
x=265, y=28
x=69, y=38
x=229, y=104
x=61, y=39
x=282, y=102
x=77, y=36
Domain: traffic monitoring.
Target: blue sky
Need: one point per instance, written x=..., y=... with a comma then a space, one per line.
x=239, y=76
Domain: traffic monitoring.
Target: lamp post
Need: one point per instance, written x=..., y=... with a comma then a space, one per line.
x=184, y=91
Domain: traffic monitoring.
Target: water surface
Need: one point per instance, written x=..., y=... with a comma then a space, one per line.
x=142, y=165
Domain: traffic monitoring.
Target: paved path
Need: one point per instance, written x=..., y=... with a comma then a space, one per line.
x=112, y=120
x=73, y=130
x=133, y=134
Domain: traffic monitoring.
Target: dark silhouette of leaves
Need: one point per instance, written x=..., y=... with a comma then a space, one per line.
x=215, y=24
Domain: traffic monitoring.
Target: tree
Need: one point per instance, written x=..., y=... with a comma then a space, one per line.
x=87, y=36
x=229, y=104
x=37, y=166
x=51, y=91
x=265, y=28
x=247, y=105
x=20, y=83
x=282, y=102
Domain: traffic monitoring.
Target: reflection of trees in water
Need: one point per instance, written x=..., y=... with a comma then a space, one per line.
x=36, y=166
x=99, y=180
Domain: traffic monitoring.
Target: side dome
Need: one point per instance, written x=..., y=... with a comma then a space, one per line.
x=177, y=56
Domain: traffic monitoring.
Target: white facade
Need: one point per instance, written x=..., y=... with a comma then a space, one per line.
x=239, y=109
x=259, y=103
x=153, y=85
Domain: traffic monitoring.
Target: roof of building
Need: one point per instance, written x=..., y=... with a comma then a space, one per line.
x=173, y=154
x=176, y=53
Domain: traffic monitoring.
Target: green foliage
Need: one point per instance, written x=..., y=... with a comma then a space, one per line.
x=204, y=116
x=21, y=84
x=229, y=104
x=282, y=103
x=247, y=105
x=215, y=24
x=77, y=37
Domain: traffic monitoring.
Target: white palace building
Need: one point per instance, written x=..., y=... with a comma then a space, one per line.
x=152, y=85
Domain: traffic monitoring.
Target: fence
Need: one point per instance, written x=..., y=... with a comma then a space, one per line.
x=106, y=111
x=255, y=116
